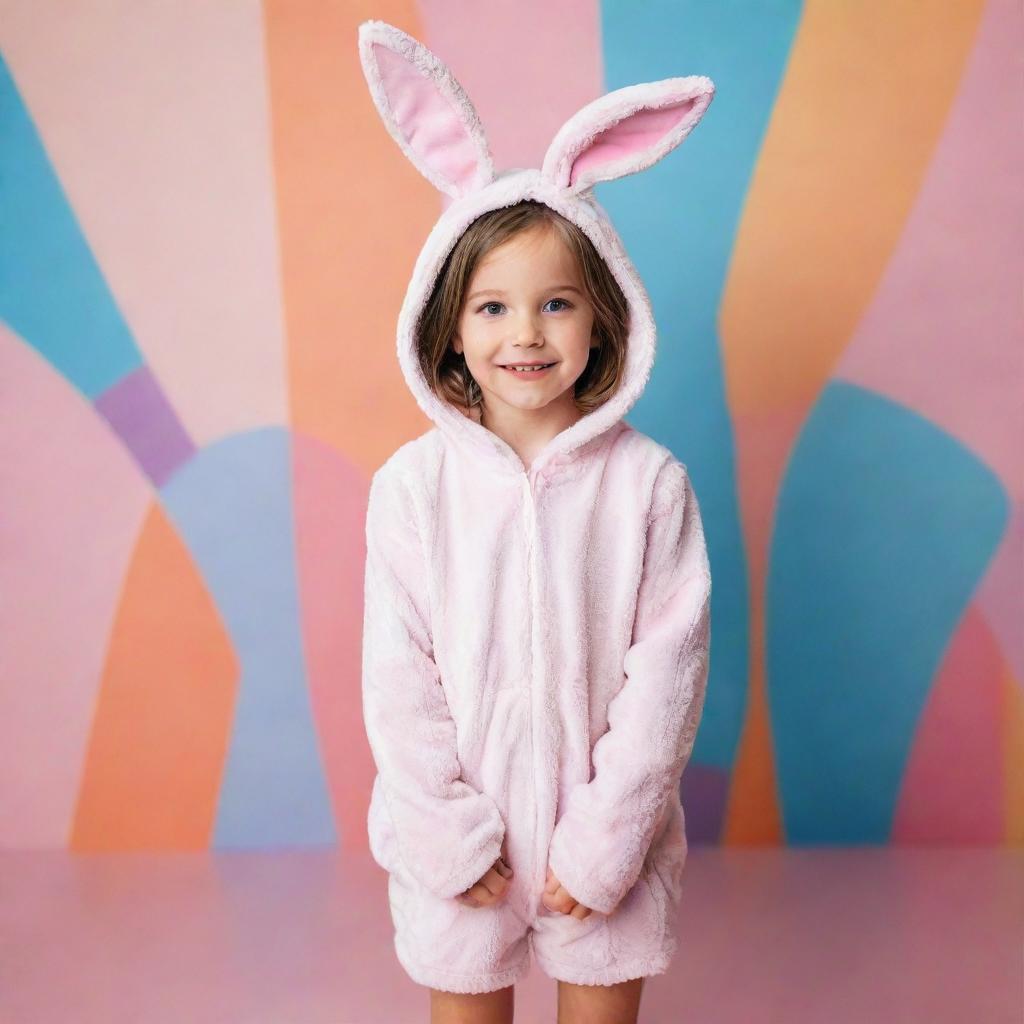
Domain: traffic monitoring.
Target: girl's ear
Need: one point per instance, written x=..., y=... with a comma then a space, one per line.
x=626, y=131
x=425, y=110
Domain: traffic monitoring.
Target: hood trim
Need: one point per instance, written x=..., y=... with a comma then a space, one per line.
x=582, y=210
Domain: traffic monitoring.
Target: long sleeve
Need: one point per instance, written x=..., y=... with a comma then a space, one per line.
x=600, y=842
x=448, y=834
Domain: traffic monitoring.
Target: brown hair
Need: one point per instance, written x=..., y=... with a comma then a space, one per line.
x=445, y=369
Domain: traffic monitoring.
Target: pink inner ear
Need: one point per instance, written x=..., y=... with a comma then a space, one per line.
x=631, y=135
x=433, y=128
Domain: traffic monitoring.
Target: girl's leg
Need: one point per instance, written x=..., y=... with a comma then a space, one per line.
x=599, y=1004
x=485, y=1008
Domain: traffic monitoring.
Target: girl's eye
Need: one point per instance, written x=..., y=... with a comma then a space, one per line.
x=487, y=305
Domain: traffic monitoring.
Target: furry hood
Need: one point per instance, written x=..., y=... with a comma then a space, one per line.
x=429, y=115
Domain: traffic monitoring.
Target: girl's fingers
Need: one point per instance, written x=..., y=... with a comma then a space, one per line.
x=560, y=896
x=553, y=899
x=493, y=884
x=482, y=891
x=496, y=880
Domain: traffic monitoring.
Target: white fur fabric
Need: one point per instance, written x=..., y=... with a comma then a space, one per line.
x=536, y=639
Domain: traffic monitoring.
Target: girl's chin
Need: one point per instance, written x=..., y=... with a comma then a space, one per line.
x=537, y=400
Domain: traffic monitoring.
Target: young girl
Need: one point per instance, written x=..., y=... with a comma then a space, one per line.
x=537, y=624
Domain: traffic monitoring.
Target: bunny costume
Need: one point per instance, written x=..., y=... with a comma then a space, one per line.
x=536, y=639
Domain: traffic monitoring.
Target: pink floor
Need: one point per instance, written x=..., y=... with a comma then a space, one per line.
x=823, y=936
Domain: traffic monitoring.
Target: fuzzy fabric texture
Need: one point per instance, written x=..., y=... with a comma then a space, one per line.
x=536, y=639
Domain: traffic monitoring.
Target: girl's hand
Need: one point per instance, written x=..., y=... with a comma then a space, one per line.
x=556, y=897
x=492, y=887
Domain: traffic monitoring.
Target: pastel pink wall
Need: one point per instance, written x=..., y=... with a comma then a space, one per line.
x=207, y=237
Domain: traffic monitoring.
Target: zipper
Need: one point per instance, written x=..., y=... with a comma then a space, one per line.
x=529, y=511
x=529, y=508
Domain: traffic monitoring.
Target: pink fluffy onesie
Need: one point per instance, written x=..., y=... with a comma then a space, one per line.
x=536, y=640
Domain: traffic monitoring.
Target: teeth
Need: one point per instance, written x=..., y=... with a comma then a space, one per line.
x=524, y=369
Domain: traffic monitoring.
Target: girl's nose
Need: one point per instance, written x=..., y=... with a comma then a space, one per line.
x=527, y=330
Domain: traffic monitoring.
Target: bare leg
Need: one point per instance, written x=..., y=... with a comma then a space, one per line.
x=599, y=1004
x=485, y=1008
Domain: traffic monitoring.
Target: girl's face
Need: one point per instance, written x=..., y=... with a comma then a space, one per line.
x=525, y=303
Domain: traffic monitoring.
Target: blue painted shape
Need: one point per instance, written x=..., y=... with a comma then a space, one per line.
x=678, y=220
x=885, y=526
x=232, y=504
x=52, y=292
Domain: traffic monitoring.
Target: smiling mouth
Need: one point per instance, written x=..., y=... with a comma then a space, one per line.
x=525, y=367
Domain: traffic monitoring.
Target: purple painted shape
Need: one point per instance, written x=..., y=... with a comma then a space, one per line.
x=703, y=792
x=138, y=410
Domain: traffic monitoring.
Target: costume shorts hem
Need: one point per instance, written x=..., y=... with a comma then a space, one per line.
x=453, y=981
x=611, y=974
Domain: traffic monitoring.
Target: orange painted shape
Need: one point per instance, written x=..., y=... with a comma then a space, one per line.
x=164, y=710
x=864, y=102
x=1013, y=758
x=763, y=446
x=352, y=215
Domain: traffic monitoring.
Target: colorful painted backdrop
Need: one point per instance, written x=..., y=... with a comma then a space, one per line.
x=206, y=236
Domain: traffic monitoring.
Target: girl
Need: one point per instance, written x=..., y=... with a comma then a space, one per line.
x=537, y=623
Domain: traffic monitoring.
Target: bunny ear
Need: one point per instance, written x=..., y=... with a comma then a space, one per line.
x=626, y=131
x=425, y=109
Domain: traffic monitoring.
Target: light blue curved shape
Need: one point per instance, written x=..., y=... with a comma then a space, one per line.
x=678, y=220
x=52, y=292
x=232, y=504
x=885, y=526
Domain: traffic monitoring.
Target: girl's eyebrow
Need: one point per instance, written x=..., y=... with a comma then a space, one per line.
x=498, y=291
